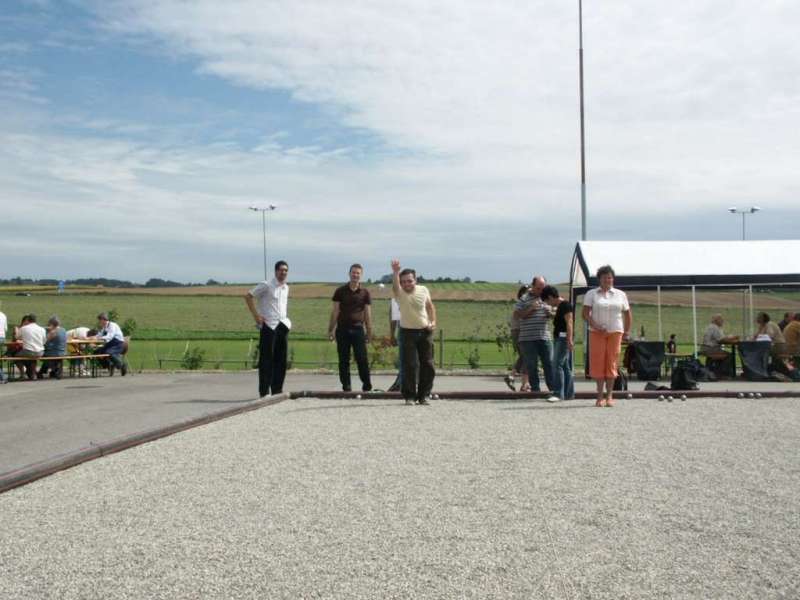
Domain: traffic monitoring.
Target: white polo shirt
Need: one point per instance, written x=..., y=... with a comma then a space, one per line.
x=272, y=302
x=33, y=337
x=111, y=332
x=3, y=325
x=607, y=307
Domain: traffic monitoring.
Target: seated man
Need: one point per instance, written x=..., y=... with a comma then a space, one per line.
x=713, y=338
x=33, y=337
x=114, y=344
x=55, y=345
x=791, y=333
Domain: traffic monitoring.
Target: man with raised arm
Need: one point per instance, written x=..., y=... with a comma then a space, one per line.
x=417, y=322
x=351, y=327
x=270, y=317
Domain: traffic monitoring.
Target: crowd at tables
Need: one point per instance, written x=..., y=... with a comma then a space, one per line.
x=42, y=350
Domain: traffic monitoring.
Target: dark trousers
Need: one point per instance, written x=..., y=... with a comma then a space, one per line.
x=115, y=349
x=354, y=337
x=54, y=367
x=272, y=351
x=417, y=351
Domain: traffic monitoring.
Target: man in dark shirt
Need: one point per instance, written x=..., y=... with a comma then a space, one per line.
x=351, y=326
x=563, y=343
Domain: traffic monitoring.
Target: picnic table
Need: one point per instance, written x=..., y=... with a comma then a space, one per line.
x=77, y=351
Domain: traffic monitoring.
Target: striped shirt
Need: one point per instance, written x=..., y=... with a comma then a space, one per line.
x=535, y=326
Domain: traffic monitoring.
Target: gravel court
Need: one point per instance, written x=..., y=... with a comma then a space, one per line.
x=367, y=498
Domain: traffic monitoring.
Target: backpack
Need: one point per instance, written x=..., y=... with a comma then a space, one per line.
x=687, y=373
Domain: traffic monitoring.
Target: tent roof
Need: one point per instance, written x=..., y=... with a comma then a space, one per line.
x=681, y=264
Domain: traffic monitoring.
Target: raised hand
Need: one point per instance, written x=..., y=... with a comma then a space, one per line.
x=395, y=265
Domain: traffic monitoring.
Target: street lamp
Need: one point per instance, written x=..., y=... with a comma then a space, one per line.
x=583, y=134
x=744, y=212
x=263, y=210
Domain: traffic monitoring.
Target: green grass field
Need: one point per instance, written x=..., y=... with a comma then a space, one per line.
x=222, y=327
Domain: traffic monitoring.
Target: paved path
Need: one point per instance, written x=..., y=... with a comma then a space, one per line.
x=42, y=419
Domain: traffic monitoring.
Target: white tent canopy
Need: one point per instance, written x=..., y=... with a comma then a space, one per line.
x=657, y=265
x=684, y=264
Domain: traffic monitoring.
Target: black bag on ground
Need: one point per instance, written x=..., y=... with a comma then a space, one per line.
x=686, y=374
x=755, y=360
x=649, y=358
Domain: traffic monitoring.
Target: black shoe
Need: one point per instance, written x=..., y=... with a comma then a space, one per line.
x=394, y=388
x=123, y=370
x=423, y=401
x=347, y=388
x=111, y=371
x=366, y=388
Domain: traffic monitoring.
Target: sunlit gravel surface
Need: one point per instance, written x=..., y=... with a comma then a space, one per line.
x=373, y=499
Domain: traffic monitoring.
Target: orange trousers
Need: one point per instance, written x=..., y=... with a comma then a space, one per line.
x=604, y=350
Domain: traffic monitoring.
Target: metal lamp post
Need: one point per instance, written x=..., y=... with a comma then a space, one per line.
x=746, y=323
x=583, y=134
x=744, y=212
x=263, y=211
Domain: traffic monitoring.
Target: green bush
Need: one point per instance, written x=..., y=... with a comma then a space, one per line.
x=193, y=359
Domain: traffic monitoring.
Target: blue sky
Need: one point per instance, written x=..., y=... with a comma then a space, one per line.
x=137, y=133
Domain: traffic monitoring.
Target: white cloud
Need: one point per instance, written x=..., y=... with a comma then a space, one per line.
x=690, y=107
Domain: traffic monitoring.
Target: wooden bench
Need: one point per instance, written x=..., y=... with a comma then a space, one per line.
x=94, y=361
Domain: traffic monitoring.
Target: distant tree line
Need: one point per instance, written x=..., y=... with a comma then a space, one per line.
x=422, y=279
x=154, y=282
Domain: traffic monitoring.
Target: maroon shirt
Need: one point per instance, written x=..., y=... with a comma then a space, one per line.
x=352, y=305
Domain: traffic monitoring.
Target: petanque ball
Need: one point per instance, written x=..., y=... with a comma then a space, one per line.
x=358, y=396
x=630, y=396
x=669, y=398
x=683, y=397
x=740, y=395
x=435, y=396
x=758, y=395
x=751, y=395
x=661, y=398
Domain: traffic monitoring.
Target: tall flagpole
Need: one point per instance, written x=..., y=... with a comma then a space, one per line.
x=583, y=132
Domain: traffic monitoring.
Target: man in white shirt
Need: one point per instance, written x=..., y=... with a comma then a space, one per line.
x=112, y=335
x=33, y=336
x=417, y=322
x=270, y=314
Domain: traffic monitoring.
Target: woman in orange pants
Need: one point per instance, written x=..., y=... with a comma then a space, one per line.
x=608, y=313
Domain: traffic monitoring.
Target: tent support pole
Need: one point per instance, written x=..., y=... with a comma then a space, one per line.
x=660, y=332
x=752, y=316
x=694, y=318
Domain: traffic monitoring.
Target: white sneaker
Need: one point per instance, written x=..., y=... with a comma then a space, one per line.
x=553, y=399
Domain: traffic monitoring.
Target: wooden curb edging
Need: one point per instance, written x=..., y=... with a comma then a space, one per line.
x=32, y=472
